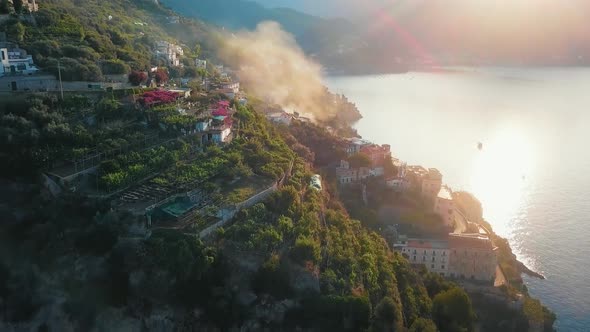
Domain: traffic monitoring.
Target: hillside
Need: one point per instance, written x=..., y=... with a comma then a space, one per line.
x=100, y=37
x=157, y=209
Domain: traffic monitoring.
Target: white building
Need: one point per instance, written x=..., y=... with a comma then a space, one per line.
x=281, y=118
x=233, y=86
x=16, y=61
x=397, y=183
x=173, y=19
x=355, y=144
x=201, y=64
x=433, y=254
x=444, y=206
x=169, y=52
x=222, y=136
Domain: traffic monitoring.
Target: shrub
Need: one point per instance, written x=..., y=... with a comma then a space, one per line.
x=306, y=249
x=452, y=311
x=137, y=77
x=161, y=76
x=114, y=67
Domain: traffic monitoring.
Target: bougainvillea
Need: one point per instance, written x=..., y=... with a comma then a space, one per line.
x=157, y=97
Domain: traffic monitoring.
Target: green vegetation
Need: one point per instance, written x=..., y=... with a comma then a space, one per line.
x=97, y=38
x=299, y=250
x=452, y=312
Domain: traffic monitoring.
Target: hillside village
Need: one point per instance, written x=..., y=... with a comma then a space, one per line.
x=149, y=179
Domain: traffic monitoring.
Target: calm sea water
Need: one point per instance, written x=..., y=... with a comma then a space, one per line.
x=532, y=174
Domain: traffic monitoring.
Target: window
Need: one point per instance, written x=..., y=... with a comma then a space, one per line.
x=433, y=253
x=433, y=259
x=432, y=266
x=444, y=253
x=442, y=267
x=414, y=258
x=424, y=258
x=414, y=251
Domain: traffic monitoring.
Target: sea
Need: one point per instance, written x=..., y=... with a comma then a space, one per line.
x=532, y=173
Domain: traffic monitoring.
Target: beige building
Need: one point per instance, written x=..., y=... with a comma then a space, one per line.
x=431, y=183
x=434, y=254
x=473, y=256
x=444, y=206
x=464, y=256
x=347, y=175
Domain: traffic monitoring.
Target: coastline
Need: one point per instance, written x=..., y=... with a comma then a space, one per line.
x=526, y=270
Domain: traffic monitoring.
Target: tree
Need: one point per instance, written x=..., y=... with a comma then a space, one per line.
x=423, y=325
x=452, y=311
x=305, y=249
x=4, y=8
x=272, y=278
x=161, y=76
x=197, y=50
x=388, y=315
x=137, y=77
x=18, y=6
x=16, y=31
x=115, y=67
x=359, y=160
x=191, y=71
x=285, y=226
x=107, y=107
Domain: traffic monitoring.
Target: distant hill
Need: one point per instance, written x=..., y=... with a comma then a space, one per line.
x=338, y=44
x=443, y=32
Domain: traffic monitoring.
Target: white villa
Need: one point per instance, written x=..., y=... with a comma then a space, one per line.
x=16, y=61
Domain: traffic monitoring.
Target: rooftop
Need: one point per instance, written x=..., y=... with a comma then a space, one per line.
x=470, y=241
x=428, y=244
x=376, y=148
x=359, y=141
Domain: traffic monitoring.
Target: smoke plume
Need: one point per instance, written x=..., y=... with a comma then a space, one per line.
x=270, y=64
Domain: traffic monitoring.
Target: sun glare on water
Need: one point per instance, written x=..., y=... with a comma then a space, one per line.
x=501, y=175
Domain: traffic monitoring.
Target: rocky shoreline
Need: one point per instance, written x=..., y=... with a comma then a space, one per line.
x=525, y=270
